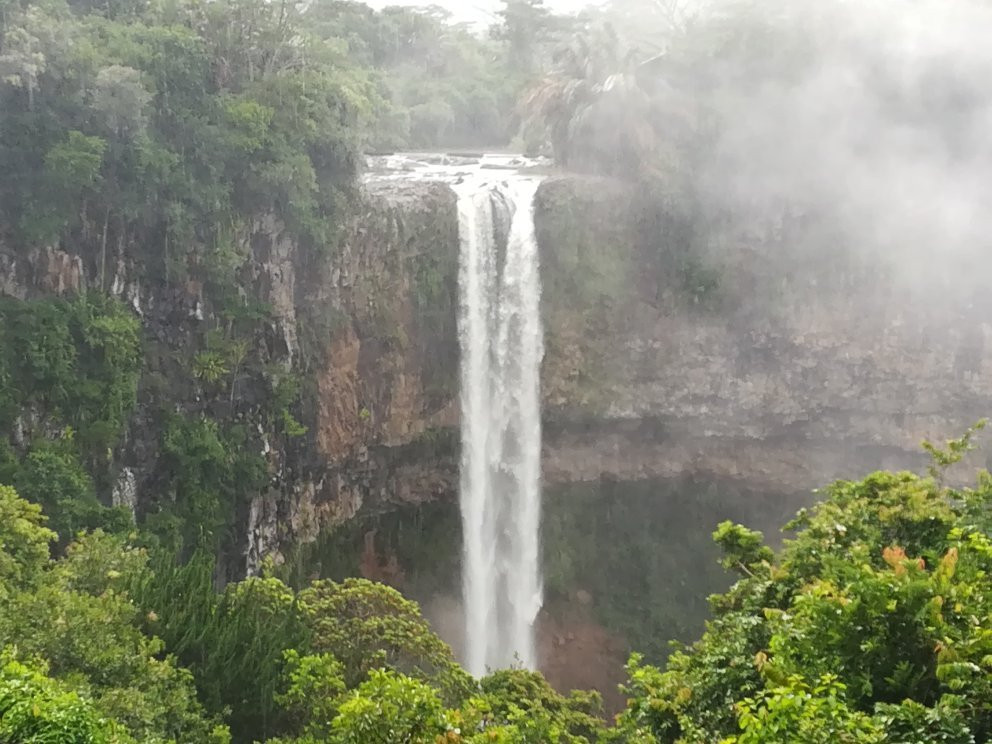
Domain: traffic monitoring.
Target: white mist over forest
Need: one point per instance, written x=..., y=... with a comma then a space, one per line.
x=874, y=117
x=869, y=118
x=482, y=11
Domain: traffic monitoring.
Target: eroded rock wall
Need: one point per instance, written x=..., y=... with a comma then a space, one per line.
x=379, y=318
x=366, y=324
x=731, y=349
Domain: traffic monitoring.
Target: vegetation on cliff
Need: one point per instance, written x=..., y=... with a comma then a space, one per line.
x=68, y=384
x=171, y=126
x=152, y=149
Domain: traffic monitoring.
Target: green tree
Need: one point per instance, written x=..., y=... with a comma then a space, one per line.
x=22, y=61
x=75, y=618
x=235, y=642
x=516, y=698
x=93, y=642
x=596, y=114
x=73, y=167
x=53, y=477
x=525, y=25
x=369, y=626
x=209, y=471
x=389, y=708
x=24, y=542
x=796, y=711
x=72, y=366
x=314, y=691
x=35, y=709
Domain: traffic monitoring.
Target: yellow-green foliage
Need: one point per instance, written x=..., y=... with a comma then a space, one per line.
x=73, y=620
x=369, y=626
x=35, y=708
x=874, y=624
x=24, y=541
x=389, y=707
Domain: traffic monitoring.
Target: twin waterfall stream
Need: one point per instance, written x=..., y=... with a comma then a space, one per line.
x=502, y=344
x=500, y=490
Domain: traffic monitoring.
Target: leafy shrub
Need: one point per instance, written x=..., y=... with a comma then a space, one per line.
x=35, y=709
x=388, y=707
x=368, y=626
x=870, y=625
x=52, y=476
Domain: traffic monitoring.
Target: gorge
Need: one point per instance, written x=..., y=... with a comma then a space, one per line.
x=729, y=407
x=326, y=416
x=733, y=401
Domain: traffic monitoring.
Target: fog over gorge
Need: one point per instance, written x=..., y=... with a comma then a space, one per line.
x=495, y=372
x=875, y=116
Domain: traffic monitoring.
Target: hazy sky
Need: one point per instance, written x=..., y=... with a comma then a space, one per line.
x=479, y=10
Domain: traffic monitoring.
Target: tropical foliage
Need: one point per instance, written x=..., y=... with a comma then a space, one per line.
x=872, y=624
x=74, y=656
x=68, y=380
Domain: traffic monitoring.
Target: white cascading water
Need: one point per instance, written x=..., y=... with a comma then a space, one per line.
x=500, y=492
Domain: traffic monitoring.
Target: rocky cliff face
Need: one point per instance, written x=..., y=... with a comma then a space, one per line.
x=671, y=351
x=367, y=326
x=379, y=318
x=668, y=355
x=733, y=353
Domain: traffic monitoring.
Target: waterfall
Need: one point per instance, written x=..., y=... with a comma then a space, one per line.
x=500, y=489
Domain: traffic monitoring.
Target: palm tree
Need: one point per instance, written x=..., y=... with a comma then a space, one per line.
x=597, y=116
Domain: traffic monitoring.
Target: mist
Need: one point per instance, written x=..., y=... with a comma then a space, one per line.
x=483, y=11
x=872, y=118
